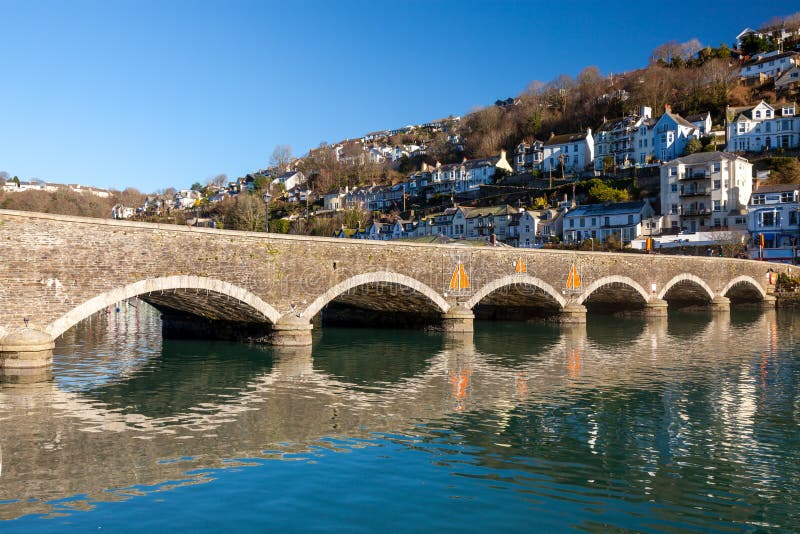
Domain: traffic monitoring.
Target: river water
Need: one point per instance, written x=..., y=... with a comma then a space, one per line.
x=690, y=423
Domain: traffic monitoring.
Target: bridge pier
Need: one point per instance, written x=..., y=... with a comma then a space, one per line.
x=458, y=319
x=656, y=307
x=720, y=304
x=291, y=331
x=572, y=314
x=769, y=302
x=26, y=357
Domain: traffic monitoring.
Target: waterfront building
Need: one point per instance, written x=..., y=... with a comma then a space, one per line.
x=773, y=221
x=705, y=191
x=622, y=220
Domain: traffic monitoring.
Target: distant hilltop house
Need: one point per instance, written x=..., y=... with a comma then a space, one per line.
x=37, y=185
x=289, y=180
x=769, y=65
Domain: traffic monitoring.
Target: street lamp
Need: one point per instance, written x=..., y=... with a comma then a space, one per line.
x=267, y=198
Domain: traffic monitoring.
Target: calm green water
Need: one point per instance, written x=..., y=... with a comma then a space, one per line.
x=688, y=424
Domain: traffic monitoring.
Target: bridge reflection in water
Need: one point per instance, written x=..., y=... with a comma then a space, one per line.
x=126, y=403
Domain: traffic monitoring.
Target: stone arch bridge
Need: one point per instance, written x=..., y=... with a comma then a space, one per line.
x=58, y=270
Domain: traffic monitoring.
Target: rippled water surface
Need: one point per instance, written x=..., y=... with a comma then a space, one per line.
x=690, y=423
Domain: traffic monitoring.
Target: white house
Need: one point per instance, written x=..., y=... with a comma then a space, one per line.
x=705, y=191
x=744, y=33
x=468, y=175
x=773, y=217
x=121, y=212
x=769, y=64
x=762, y=127
x=289, y=180
x=620, y=220
x=574, y=151
x=790, y=79
x=616, y=139
x=701, y=121
x=334, y=200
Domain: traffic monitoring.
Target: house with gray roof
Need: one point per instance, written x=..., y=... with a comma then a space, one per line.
x=622, y=220
x=762, y=127
x=572, y=152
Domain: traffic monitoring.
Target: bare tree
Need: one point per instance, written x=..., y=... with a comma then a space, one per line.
x=281, y=156
x=219, y=180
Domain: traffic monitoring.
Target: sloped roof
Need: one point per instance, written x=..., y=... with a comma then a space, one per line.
x=617, y=208
x=565, y=138
x=703, y=157
x=505, y=209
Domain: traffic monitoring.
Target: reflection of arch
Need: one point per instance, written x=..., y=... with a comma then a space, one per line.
x=686, y=277
x=515, y=279
x=607, y=280
x=372, y=278
x=743, y=279
x=169, y=283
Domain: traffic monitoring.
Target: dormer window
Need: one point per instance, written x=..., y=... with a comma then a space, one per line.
x=758, y=113
x=768, y=113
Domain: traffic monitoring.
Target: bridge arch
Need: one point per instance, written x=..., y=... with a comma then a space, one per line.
x=256, y=306
x=687, y=278
x=515, y=279
x=614, y=280
x=377, y=277
x=747, y=283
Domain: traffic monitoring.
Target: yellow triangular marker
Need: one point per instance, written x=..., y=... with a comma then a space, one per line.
x=574, y=279
x=459, y=280
x=520, y=266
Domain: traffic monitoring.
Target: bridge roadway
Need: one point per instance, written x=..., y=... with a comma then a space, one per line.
x=89, y=448
x=58, y=270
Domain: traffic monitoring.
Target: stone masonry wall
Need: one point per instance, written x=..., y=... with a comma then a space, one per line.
x=51, y=265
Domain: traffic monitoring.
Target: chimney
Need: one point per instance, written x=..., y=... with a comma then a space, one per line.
x=438, y=164
x=503, y=153
x=667, y=108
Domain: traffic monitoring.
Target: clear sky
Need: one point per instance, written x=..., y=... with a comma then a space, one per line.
x=153, y=94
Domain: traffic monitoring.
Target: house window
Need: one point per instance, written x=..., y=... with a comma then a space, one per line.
x=673, y=171
x=574, y=148
x=594, y=221
x=583, y=222
x=758, y=113
x=769, y=218
x=793, y=217
x=717, y=184
x=607, y=221
x=674, y=209
x=630, y=219
x=716, y=167
x=717, y=205
x=674, y=188
x=572, y=223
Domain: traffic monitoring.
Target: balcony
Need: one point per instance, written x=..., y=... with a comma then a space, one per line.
x=695, y=192
x=696, y=212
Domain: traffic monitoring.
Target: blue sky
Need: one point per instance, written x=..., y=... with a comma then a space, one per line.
x=155, y=94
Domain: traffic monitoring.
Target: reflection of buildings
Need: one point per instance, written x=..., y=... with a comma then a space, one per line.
x=570, y=372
